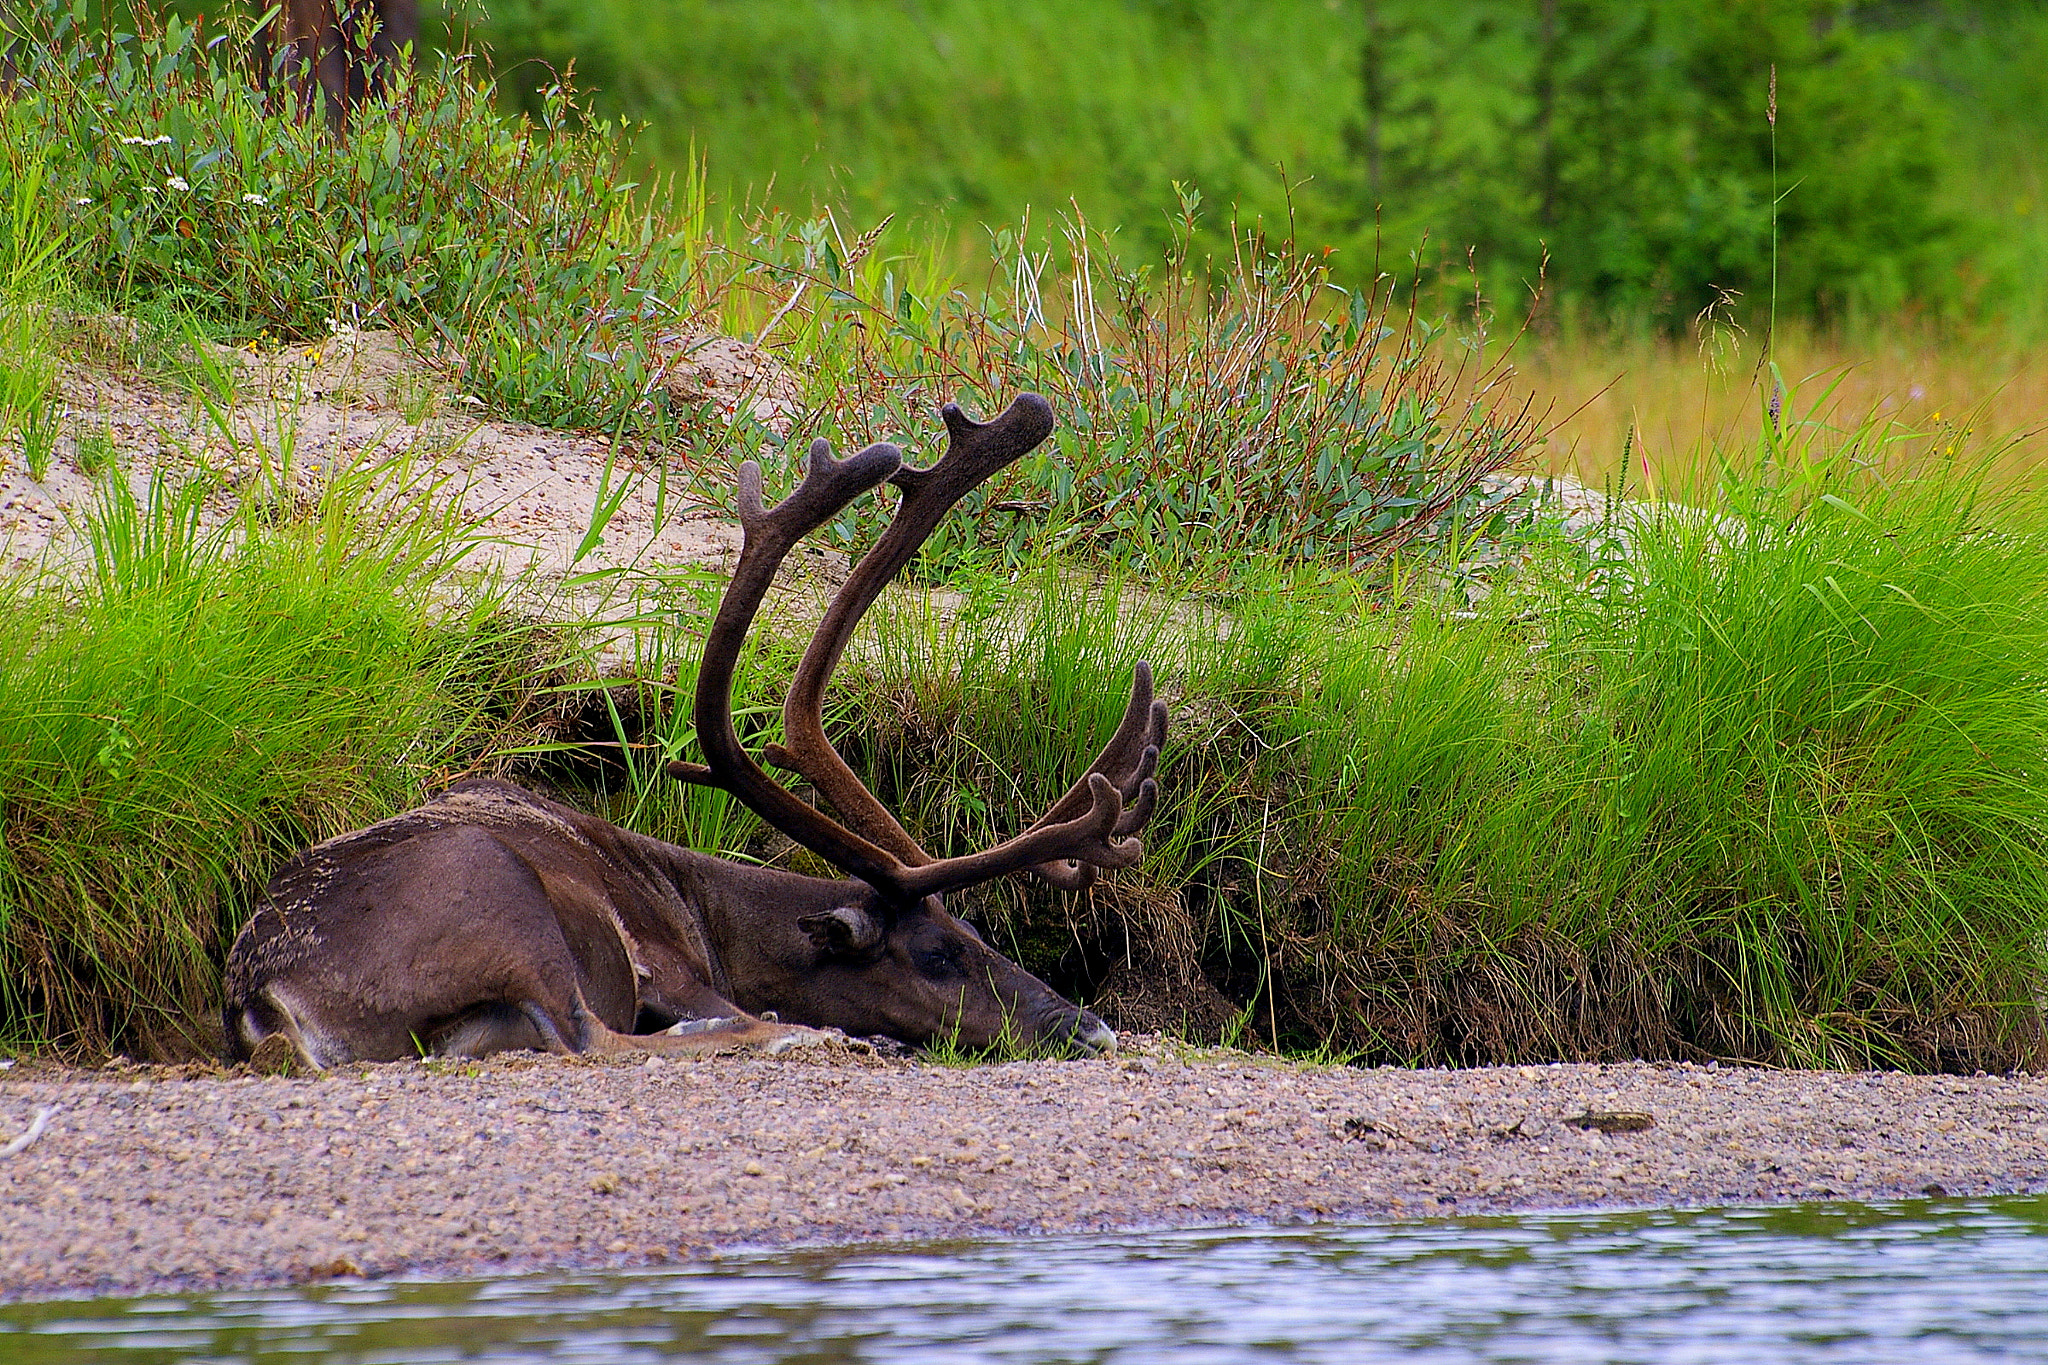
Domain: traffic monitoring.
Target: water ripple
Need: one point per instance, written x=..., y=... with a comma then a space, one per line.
x=1900, y=1284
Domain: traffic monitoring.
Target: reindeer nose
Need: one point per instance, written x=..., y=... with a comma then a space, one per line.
x=1093, y=1036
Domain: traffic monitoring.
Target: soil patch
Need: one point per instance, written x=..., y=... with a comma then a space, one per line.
x=363, y=397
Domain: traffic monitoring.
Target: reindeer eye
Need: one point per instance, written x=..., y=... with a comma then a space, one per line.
x=935, y=963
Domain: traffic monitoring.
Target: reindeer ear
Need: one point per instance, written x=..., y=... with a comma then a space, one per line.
x=842, y=930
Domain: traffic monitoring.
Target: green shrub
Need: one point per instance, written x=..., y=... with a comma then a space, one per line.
x=1641, y=143
x=1210, y=418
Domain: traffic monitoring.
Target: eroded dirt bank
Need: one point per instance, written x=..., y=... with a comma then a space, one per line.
x=139, y=1180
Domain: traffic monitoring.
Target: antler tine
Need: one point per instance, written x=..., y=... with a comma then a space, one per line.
x=1143, y=727
x=770, y=535
x=1128, y=761
x=1070, y=874
x=1139, y=794
x=1089, y=839
x=974, y=452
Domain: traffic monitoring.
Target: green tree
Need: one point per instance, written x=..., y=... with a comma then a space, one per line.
x=1632, y=140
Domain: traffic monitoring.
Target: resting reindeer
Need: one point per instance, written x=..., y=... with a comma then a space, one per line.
x=492, y=918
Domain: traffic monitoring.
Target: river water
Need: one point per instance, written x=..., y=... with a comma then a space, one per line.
x=1850, y=1283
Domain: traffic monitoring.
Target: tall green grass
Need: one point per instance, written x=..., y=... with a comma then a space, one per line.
x=1763, y=785
x=197, y=701
x=1768, y=789
x=33, y=257
x=971, y=109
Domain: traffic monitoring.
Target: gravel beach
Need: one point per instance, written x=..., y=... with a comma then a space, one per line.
x=155, y=1179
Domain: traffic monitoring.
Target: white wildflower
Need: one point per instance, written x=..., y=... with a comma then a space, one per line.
x=178, y=183
x=162, y=140
x=82, y=201
x=254, y=199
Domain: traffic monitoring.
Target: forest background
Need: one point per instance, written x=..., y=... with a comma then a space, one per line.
x=1639, y=144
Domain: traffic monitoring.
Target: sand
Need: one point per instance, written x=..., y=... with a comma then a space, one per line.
x=157, y=1179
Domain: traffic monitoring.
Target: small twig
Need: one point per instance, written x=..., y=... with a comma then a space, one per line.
x=769, y=326
x=1518, y=619
x=35, y=1130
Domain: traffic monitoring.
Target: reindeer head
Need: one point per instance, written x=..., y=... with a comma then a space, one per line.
x=936, y=977
x=916, y=973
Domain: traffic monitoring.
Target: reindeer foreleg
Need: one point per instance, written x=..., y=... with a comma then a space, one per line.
x=705, y=1037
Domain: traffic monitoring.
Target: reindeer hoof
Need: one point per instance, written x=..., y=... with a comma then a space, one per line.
x=690, y=1026
x=794, y=1036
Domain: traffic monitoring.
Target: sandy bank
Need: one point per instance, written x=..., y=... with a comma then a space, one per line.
x=142, y=1180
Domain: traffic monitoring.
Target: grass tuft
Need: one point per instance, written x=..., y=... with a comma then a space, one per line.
x=198, y=702
x=1210, y=415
